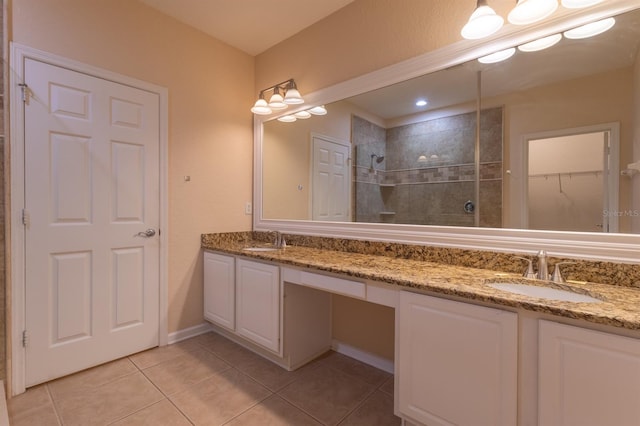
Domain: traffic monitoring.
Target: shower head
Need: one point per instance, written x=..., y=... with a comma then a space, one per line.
x=379, y=158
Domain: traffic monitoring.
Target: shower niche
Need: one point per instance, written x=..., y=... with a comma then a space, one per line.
x=423, y=172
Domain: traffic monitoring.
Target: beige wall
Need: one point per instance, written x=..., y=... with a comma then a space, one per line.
x=210, y=129
x=365, y=36
x=635, y=184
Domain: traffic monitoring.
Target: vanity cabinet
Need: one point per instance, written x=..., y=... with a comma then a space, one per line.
x=457, y=362
x=243, y=297
x=587, y=377
x=219, y=289
x=258, y=303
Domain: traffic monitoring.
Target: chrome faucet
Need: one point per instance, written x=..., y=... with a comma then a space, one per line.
x=543, y=267
x=279, y=241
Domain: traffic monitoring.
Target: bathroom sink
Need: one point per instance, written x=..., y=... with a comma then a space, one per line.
x=544, y=292
x=259, y=249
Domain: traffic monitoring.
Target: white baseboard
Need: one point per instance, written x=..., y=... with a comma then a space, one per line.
x=187, y=333
x=363, y=356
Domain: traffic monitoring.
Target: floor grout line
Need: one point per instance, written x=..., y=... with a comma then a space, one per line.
x=55, y=407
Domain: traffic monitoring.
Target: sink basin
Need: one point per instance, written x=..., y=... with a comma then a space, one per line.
x=545, y=292
x=259, y=249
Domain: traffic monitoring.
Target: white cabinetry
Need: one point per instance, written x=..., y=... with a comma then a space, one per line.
x=258, y=303
x=587, y=377
x=219, y=289
x=457, y=362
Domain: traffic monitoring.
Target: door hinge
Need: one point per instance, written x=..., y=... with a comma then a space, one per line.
x=26, y=92
x=26, y=217
x=25, y=339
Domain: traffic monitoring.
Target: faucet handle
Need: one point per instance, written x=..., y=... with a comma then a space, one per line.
x=528, y=273
x=557, y=274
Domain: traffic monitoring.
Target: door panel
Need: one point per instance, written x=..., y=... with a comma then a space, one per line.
x=331, y=180
x=91, y=184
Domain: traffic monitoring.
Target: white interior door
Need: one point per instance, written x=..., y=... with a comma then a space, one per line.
x=331, y=181
x=91, y=185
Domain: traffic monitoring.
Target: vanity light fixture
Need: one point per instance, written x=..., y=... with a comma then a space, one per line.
x=578, y=4
x=591, y=29
x=304, y=114
x=318, y=110
x=277, y=101
x=483, y=22
x=530, y=11
x=287, y=119
x=497, y=56
x=541, y=43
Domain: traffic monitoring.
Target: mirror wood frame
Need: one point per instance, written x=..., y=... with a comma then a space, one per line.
x=594, y=246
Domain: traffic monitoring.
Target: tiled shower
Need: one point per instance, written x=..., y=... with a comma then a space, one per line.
x=427, y=176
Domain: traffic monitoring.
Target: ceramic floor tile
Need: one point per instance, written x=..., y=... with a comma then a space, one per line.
x=89, y=379
x=274, y=411
x=174, y=375
x=34, y=407
x=160, y=354
x=388, y=386
x=226, y=349
x=219, y=398
x=355, y=368
x=326, y=393
x=110, y=402
x=377, y=410
x=263, y=371
x=162, y=413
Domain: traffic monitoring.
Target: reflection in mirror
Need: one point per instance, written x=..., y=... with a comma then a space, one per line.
x=410, y=164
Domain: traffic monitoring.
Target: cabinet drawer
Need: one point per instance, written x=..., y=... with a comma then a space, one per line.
x=323, y=282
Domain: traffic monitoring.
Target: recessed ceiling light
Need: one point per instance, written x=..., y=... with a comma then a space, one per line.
x=498, y=56
x=590, y=30
x=541, y=43
x=421, y=102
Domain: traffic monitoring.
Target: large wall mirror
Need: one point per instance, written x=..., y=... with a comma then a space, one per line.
x=530, y=151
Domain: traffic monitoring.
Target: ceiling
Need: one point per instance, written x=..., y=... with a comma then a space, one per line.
x=252, y=26
x=569, y=59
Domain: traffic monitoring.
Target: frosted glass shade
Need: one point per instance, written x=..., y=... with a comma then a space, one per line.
x=292, y=97
x=319, y=110
x=530, y=11
x=498, y=56
x=483, y=22
x=261, y=107
x=541, y=43
x=287, y=119
x=591, y=29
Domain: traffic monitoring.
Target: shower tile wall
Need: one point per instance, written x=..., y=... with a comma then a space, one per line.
x=428, y=173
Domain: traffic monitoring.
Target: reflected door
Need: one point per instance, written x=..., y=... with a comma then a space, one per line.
x=567, y=182
x=91, y=185
x=331, y=180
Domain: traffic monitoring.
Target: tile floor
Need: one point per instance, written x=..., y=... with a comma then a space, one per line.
x=209, y=380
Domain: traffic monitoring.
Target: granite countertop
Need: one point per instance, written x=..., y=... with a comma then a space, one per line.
x=620, y=306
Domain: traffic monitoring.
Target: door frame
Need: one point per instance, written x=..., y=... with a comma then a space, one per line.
x=330, y=139
x=15, y=240
x=611, y=184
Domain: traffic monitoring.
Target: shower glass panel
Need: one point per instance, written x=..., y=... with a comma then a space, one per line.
x=427, y=176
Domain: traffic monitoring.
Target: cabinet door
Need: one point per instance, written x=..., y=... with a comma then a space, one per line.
x=587, y=377
x=219, y=289
x=457, y=362
x=258, y=303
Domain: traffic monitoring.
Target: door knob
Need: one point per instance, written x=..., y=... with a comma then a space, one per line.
x=146, y=234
